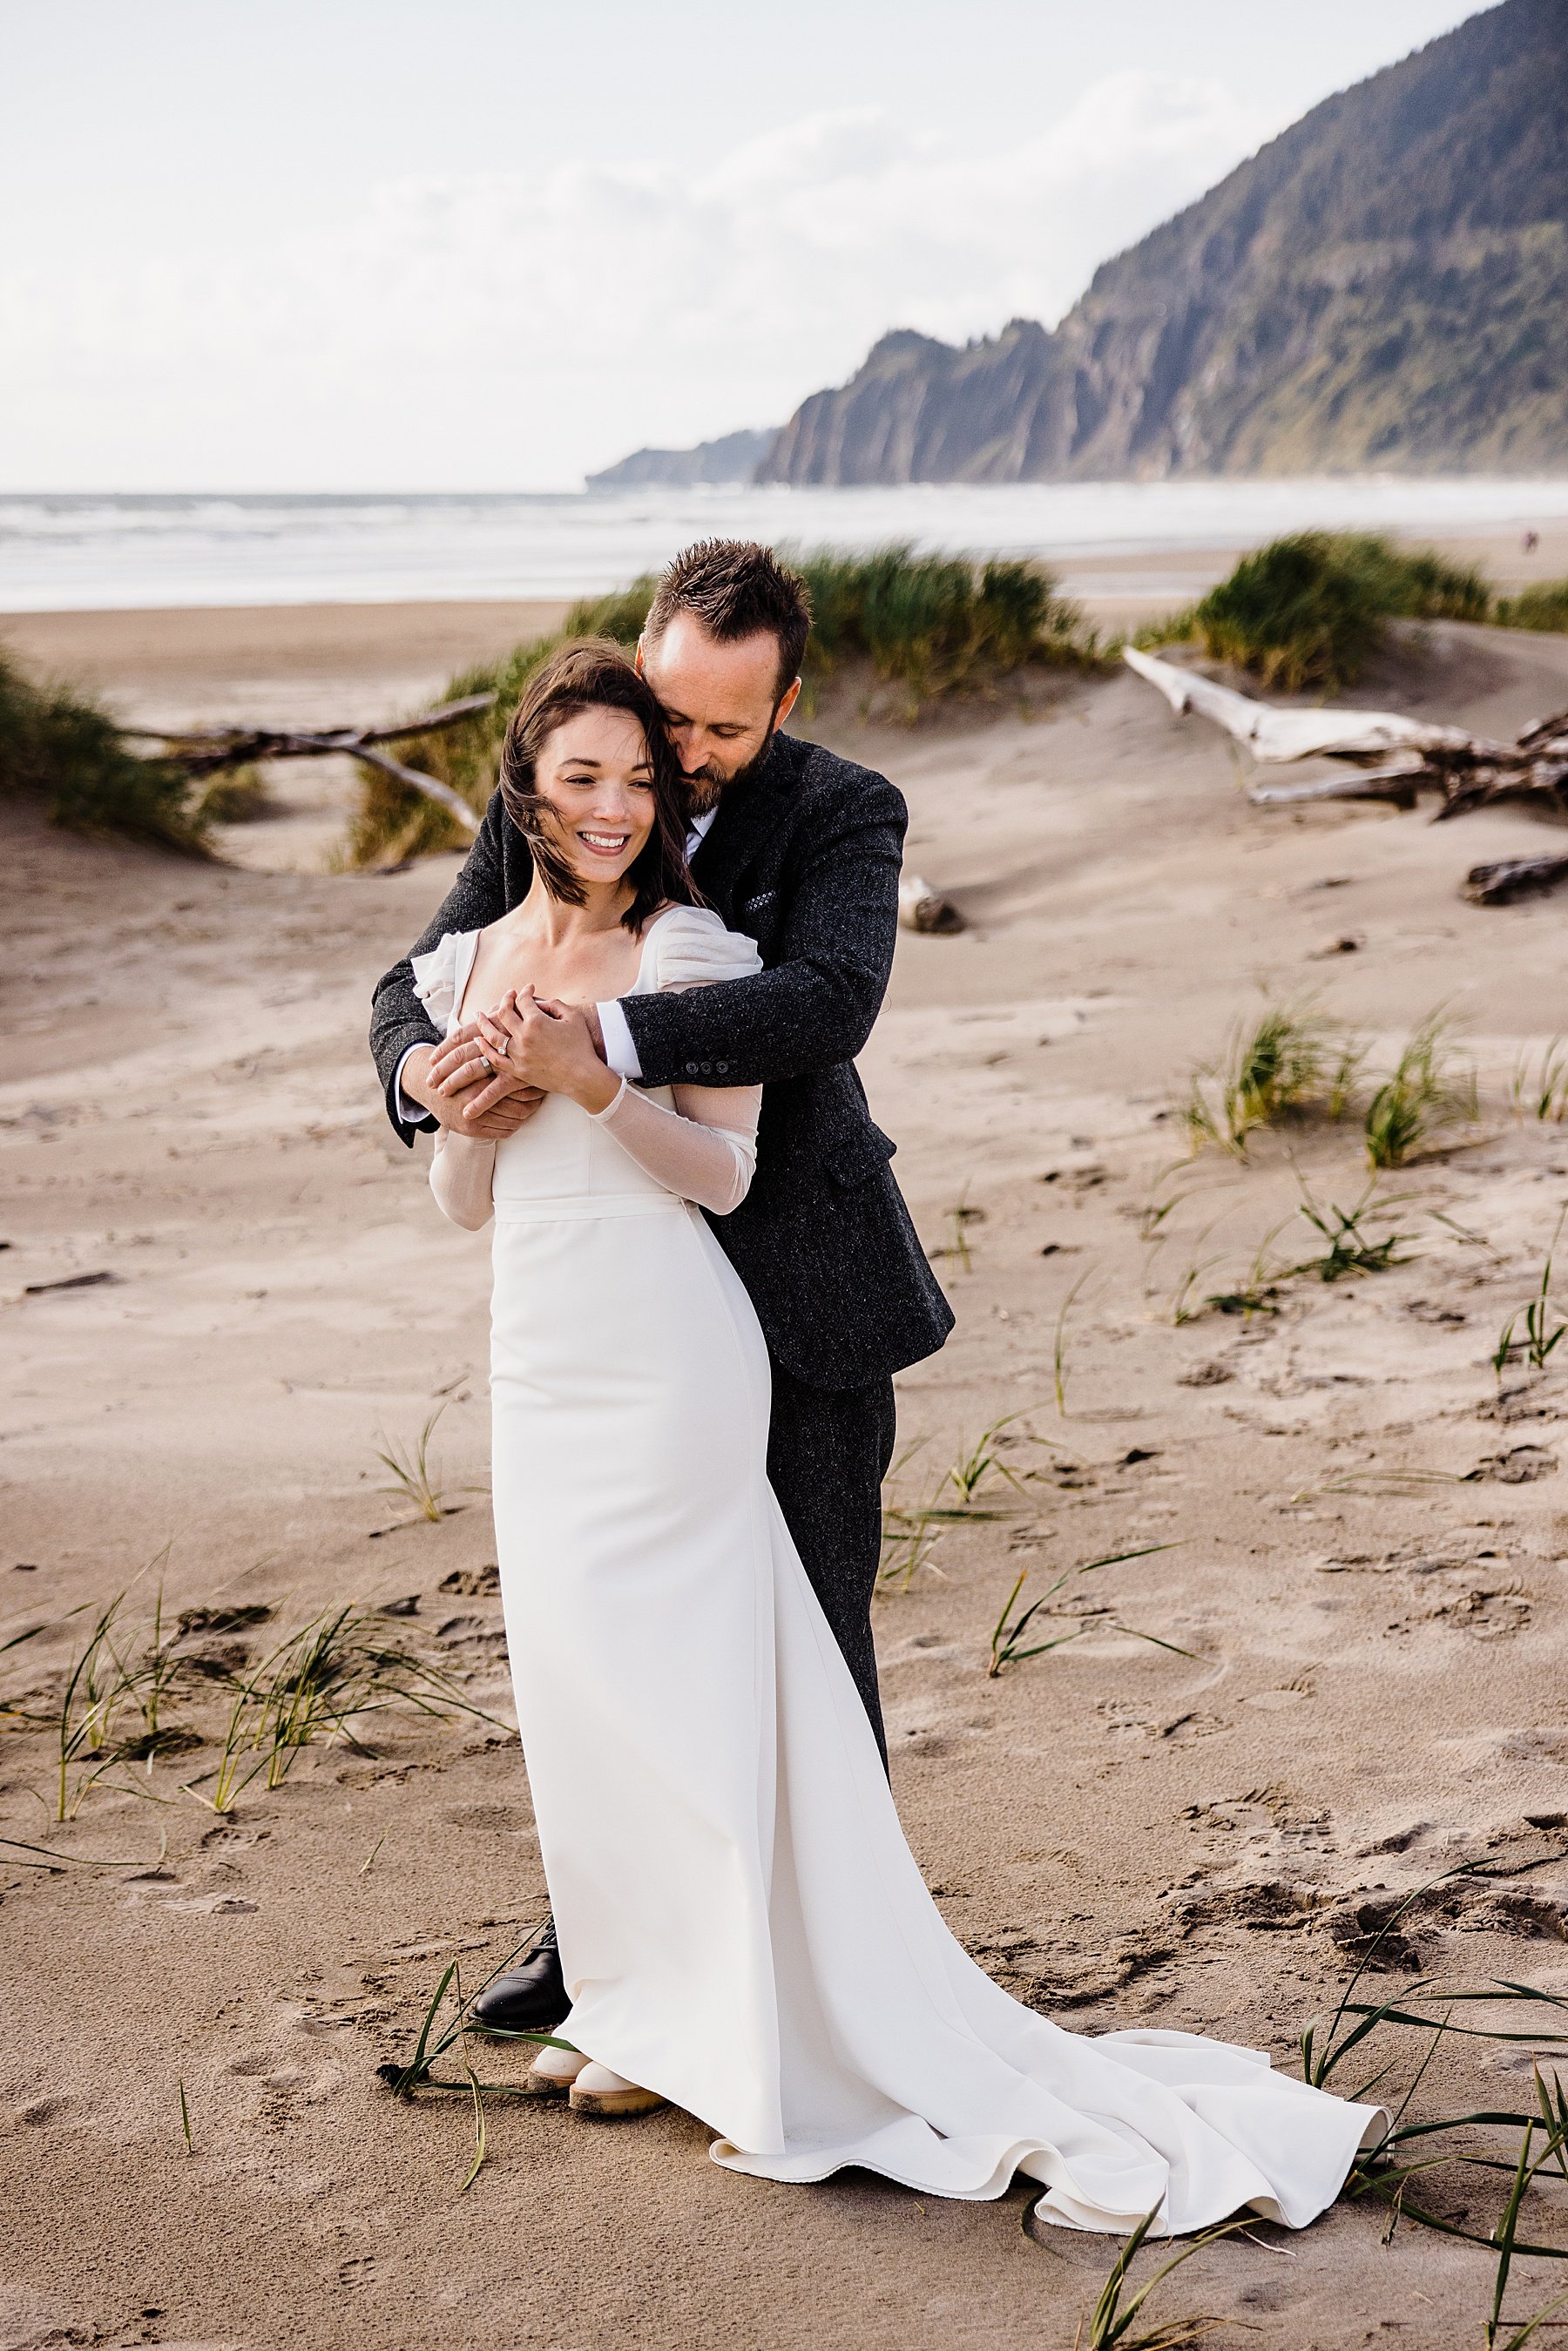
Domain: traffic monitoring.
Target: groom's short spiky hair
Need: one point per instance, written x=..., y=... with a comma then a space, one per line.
x=737, y=589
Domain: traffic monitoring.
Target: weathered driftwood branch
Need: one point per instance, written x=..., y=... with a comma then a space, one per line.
x=1398, y=784
x=922, y=908
x=1541, y=782
x=1280, y=736
x=203, y=751
x=207, y=753
x=1465, y=772
x=430, y=786
x=1514, y=877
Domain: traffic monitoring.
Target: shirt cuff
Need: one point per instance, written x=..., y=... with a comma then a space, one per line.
x=410, y=1113
x=620, y=1053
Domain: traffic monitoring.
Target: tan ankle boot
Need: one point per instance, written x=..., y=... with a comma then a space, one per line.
x=553, y=2071
x=597, y=2090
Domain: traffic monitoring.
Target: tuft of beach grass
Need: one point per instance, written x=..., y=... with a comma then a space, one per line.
x=1010, y=1633
x=1307, y=610
x=1118, y=2309
x=60, y=749
x=1274, y=1068
x=1424, y=1096
x=1544, y=1323
x=411, y=1472
x=929, y=626
x=1540, y=1087
x=113, y=1708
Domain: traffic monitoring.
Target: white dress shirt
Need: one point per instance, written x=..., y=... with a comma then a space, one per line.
x=620, y=1053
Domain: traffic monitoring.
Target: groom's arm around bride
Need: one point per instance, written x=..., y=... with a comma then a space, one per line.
x=799, y=850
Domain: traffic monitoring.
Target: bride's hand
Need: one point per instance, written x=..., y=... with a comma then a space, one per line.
x=468, y=1091
x=550, y=1045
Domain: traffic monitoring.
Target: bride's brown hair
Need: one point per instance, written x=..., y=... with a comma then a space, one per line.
x=595, y=675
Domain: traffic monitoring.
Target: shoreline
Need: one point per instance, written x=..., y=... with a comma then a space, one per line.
x=53, y=599
x=163, y=661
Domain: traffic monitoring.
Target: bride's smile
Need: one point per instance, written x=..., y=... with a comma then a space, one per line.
x=596, y=777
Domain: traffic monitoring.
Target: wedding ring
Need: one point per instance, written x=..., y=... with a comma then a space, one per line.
x=488, y=1066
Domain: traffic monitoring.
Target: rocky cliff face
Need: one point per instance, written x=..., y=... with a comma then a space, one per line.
x=1384, y=287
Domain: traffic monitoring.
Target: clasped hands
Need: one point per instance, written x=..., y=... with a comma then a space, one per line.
x=494, y=1071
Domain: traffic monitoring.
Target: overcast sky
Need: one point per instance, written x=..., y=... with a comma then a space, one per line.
x=486, y=244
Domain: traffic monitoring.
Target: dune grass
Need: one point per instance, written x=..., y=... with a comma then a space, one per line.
x=910, y=1533
x=314, y=1686
x=235, y=795
x=60, y=749
x=1543, y=607
x=1545, y=1326
x=1111, y=2316
x=1307, y=610
x=909, y=1530
x=1292, y=1064
x=939, y=624
x=928, y=625
x=980, y=1463
x=1407, y=2166
x=406, y=2081
x=1010, y=1633
x=112, y=1709
x=412, y=1480
x=1274, y=1068
x=393, y=822
x=1540, y=1087
x=1350, y=1250
x=1422, y=1095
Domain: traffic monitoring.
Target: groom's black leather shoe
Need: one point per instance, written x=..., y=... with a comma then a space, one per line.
x=529, y=1999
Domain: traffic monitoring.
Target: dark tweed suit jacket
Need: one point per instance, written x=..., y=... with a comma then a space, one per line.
x=803, y=857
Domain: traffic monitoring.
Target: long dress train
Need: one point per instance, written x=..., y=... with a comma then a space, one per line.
x=742, y=1926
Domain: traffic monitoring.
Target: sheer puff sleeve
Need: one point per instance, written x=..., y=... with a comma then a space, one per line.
x=705, y=1148
x=462, y=1167
x=435, y=978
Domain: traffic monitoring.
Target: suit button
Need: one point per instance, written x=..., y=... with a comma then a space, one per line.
x=723, y=1068
x=707, y=1069
x=691, y=1069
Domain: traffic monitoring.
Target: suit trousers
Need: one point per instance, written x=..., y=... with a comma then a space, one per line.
x=828, y=1453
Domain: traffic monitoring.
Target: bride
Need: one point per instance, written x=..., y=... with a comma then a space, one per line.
x=743, y=1930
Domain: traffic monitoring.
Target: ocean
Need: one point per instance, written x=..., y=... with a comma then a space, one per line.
x=85, y=553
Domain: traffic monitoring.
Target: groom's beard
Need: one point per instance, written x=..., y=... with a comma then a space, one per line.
x=705, y=785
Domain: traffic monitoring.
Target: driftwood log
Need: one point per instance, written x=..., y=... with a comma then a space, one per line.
x=922, y=908
x=1515, y=877
x=1284, y=734
x=1390, y=757
x=208, y=752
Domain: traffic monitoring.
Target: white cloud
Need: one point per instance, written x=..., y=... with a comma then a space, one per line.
x=498, y=330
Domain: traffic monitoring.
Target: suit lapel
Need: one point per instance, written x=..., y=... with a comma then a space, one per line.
x=748, y=814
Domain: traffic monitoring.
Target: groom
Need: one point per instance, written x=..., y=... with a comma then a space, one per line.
x=800, y=851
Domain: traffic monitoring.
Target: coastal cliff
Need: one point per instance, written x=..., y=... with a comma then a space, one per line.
x=1384, y=287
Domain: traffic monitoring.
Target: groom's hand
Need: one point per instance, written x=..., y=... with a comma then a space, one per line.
x=454, y=1083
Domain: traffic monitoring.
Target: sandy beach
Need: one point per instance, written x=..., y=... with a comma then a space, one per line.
x=1363, y=1589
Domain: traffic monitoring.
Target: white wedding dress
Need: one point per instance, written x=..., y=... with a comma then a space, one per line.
x=742, y=1927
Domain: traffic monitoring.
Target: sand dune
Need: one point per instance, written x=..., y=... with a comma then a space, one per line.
x=1367, y=1568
